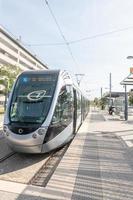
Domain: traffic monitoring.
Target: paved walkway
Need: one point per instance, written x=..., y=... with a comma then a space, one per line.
x=97, y=166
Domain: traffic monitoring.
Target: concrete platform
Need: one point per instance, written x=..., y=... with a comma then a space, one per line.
x=97, y=166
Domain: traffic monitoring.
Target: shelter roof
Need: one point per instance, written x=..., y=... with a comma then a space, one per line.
x=114, y=94
x=128, y=80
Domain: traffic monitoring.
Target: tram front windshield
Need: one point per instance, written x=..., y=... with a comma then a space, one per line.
x=32, y=98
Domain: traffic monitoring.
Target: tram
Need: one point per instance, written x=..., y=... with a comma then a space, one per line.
x=44, y=111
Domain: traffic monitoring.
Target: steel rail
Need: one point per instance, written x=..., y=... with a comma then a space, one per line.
x=7, y=156
x=44, y=174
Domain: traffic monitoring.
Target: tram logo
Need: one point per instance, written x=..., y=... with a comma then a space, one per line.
x=36, y=95
x=20, y=131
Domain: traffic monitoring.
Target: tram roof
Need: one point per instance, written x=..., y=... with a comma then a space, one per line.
x=41, y=72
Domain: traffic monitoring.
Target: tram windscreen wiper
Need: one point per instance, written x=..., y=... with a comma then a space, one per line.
x=29, y=102
x=26, y=122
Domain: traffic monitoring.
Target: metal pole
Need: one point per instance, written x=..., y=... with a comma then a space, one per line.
x=126, y=104
x=101, y=92
x=110, y=89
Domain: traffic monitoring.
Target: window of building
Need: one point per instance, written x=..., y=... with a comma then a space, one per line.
x=28, y=59
x=7, y=44
x=25, y=65
x=2, y=51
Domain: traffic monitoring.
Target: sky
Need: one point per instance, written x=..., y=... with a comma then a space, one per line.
x=101, y=31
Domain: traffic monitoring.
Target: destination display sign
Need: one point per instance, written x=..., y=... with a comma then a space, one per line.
x=39, y=78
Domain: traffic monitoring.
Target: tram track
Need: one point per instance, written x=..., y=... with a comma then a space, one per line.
x=6, y=152
x=44, y=174
x=41, y=172
x=7, y=156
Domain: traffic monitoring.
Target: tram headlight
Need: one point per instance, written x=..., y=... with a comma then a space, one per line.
x=34, y=135
x=42, y=131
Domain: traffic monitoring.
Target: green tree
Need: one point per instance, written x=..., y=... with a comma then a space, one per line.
x=103, y=102
x=8, y=74
x=96, y=101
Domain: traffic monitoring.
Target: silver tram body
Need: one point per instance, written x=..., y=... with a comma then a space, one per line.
x=44, y=111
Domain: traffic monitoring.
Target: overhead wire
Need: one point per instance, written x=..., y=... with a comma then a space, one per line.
x=61, y=32
x=101, y=34
x=84, y=38
x=59, y=28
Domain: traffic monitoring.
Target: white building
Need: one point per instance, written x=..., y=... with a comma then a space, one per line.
x=13, y=53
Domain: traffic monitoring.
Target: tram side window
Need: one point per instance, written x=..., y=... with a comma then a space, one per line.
x=63, y=113
x=78, y=104
x=63, y=110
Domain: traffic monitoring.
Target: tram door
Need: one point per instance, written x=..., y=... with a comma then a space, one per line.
x=75, y=110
